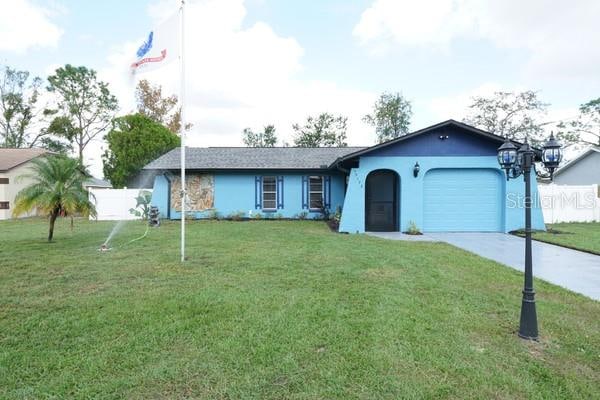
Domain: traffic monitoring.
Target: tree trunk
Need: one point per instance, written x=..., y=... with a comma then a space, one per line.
x=53, y=217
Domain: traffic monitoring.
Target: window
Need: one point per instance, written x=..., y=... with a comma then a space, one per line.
x=269, y=193
x=315, y=192
x=4, y=205
x=3, y=181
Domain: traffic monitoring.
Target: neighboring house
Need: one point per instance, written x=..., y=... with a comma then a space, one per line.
x=14, y=163
x=442, y=178
x=582, y=170
x=95, y=183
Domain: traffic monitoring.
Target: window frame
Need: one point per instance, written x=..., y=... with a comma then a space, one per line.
x=4, y=181
x=310, y=192
x=262, y=193
x=7, y=205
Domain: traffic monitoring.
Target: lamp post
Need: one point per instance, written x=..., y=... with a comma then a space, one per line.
x=518, y=162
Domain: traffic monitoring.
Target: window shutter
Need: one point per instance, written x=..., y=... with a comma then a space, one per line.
x=280, y=192
x=304, y=191
x=327, y=191
x=257, y=192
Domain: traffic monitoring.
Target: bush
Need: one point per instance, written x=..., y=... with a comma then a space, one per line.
x=236, y=216
x=256, y=215
x=142, y=207
x=213, y=214
x=302, y=215
x=278, y=216
x=413, y=229
x=337, y=215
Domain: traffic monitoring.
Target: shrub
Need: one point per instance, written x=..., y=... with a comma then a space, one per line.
x=337, y=215
x=213, y=214
x=256, y=215
x=413, y=229
x=236, y=215
x=302, y=215
x=278, y=216
x=142, y=207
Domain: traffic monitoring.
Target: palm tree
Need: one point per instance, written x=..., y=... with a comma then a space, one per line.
x=57, y=189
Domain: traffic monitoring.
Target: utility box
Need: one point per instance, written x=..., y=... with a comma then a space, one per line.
x=153, y=217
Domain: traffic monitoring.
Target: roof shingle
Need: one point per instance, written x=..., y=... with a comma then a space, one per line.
x=252, y=157
x=11, y=158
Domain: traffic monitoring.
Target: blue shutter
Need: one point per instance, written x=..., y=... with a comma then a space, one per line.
x=257, y=192
x=327, y=191
x=280, y=192
x=304, y=191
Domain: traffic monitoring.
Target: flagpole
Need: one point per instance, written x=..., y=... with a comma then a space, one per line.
x=182, y=128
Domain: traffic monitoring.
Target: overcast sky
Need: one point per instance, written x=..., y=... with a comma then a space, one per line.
x=256, y=62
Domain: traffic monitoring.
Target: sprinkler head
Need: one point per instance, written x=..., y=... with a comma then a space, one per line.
x=104, y=247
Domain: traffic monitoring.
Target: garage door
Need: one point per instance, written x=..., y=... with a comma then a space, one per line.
x=463, y=200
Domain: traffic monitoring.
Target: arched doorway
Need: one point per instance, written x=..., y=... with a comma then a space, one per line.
x=381, y=201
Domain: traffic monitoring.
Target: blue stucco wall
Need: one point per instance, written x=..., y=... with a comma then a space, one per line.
x=235, y=192
x=160, y=195
x=411, y=190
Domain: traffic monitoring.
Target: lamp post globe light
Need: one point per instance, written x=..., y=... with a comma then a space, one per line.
x=517, y=162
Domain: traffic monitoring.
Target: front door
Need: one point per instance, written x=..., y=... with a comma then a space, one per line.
x=381, y=201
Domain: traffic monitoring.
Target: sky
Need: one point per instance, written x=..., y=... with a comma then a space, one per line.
x=257, y=62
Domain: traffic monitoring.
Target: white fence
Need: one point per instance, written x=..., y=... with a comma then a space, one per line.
x=114, y=204
x=569, y=203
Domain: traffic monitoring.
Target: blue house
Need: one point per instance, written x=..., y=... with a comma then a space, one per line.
x=442, y=178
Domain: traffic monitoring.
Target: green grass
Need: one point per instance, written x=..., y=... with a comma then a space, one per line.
x=577, y=235
x=273, y=310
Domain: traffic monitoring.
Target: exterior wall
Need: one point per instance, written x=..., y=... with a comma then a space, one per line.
x=585, y=172
x=9, y=192
x=235, y=192
x=411, y=190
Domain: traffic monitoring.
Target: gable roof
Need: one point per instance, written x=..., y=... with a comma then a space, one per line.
x=248, y=158
x=444, y=124
x=11, y=158
x=590, y=150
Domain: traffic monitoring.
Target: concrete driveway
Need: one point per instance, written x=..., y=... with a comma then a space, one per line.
x=574, y=270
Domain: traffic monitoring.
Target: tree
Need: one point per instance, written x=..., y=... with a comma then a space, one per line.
x=85, y=105
x=513, y=115
x=390, y=117
x=57, y=189
x=133, y=142
x=325, y=130
x=266, y=138
x=164, y=110
x=18, y=98
x=585, y=128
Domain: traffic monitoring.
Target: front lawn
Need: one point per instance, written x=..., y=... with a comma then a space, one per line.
x=273, y=310
x=577, y=235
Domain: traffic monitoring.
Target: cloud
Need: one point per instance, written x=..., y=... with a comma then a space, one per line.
x=558, y=36
x=456, y=106
x=238, y=76
x=24, y=25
